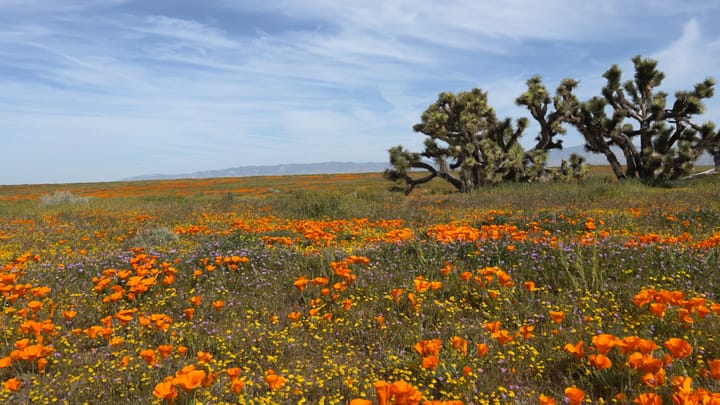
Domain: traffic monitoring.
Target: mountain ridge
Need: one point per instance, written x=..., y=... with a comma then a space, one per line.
x=274, y=170
x=555, y=158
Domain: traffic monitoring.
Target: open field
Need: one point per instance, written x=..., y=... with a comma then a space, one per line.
x=328, y=289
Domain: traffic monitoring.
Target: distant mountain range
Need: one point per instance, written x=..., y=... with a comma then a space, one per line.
x=554, y=159
x=275, y=170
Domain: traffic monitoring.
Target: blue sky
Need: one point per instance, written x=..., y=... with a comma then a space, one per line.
x=100, y=90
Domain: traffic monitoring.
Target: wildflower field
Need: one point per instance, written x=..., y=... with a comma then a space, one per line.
x=333, y=290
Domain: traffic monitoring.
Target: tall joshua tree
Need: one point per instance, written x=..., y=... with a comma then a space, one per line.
x=656, y=142
x=466, y=144
x=469, y=147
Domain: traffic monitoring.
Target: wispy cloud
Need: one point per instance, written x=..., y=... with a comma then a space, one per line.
x=108, y=89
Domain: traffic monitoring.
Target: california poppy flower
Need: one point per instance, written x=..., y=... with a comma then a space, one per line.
x=604, y=342
x=492, y=327
x=458, y=343
x=648, y=398
x=149, y=356
x=204, y=357
x=658, y=309
x=546, y=400
x=233, y=373
x=430, y=362
x=273, y=380
x=714, y=366
x=382, y=392
x=190, y=380
x=599, y=361
x=654, y=380
x=165, y=390
x=300, y=283
x=404, y=393
x=577, y=349
x=164, y=350
x=237, y=385
x=678, y=348
x=482, y=349
x=526, y=331
x=557, y=316
x=12, y=384
x=68, y=315
x=502, y=336
x=428, y=347
x=574, y=395
x=360, y=401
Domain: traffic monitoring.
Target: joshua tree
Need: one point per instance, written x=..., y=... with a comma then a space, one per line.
x=657, y=142
x=469, y=147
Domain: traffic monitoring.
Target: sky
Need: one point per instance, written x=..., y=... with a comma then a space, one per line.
x=102, y=90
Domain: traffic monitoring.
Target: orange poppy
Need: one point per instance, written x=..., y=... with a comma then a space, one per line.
x=382, y=392
x=658, y=309
x=654, y=380
x=428, y=347
x=577, y=349
x=557, y=316
x=546, y=400
x=218, y=305
x=164, y=350
x=233, y=372
x=165, y=390
x=300, y=283
x=678, y=348
x=380, y=320
x=502, y=336
x=459, y=343
x=604, y=342
x=714, y=366
x=195, y=300
x=273, y=380
x=12, y=384
x=68, y=315
x=574, y=395
x=492, y=327
x=430, y=362
x=404, y=393
x=360, y=401
x=204, y=357
x=237, y=385
x=482, y=349
x=149, y=356
x=599, y=361
x=648, y=398
x=526, y=331
x=190, y=380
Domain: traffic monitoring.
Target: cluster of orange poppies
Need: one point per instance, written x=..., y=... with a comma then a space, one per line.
x=31, y=352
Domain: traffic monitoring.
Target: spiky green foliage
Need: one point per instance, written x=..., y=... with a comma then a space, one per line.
x=657, y=142
x=469, y=147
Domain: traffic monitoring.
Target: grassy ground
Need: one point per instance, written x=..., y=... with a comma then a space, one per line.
x=325, y=289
